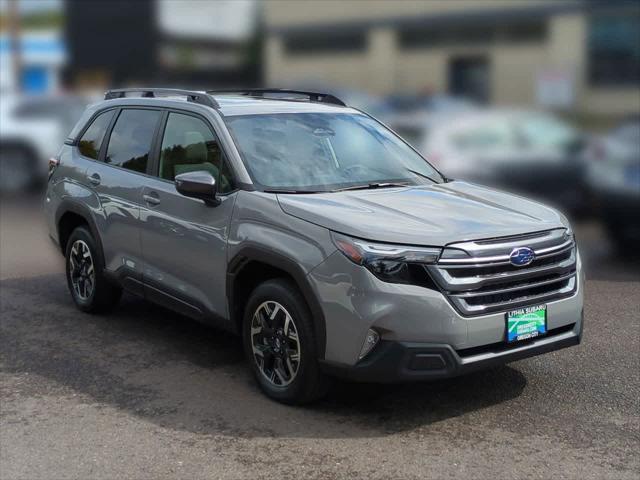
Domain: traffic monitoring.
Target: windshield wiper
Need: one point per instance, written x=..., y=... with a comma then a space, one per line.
x=372, y=186
x=422, y=175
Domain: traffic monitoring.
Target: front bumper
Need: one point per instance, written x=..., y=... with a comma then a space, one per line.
x=393, y=361
x=412, y=319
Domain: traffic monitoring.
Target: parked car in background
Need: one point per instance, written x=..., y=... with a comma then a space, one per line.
x=426, y=103
x=613, y=177
x=526, y=152
x=32, y=129
x=367, y=102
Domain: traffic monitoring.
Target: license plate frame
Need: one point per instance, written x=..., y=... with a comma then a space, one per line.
x=525, y=323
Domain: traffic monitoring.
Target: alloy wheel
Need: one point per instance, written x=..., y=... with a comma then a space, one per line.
x=83, y=276
x=275, y=343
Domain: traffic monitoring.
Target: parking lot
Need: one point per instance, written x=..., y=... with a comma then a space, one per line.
x=145, y=393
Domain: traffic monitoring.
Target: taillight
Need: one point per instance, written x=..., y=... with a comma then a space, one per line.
x=53, y=164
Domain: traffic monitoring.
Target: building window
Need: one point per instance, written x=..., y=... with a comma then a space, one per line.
x=454, y=35
x=524, y=32
x=614, y=50
x=327, y=42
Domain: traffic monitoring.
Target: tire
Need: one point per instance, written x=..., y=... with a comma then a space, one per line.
x=278, y=309
x=90, y=289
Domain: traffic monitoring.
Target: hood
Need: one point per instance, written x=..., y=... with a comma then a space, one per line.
x=434, y=215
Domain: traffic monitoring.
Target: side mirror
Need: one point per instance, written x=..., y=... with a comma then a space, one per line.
x=200, y=184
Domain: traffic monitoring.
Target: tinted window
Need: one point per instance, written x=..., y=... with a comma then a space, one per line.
x=131, y=139
x=189, y=145
x=91, y=141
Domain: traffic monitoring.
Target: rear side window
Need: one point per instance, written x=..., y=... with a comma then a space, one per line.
x=91, y=141
x=189, y=145
x=131, y=138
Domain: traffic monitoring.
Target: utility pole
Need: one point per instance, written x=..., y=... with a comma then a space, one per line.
x=13, y=21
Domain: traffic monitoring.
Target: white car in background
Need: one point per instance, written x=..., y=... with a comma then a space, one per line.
x=613, y=177
x=32, y=128
x=523, y=151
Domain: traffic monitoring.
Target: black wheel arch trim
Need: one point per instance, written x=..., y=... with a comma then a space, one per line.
x=70, y=206
x=289, y=266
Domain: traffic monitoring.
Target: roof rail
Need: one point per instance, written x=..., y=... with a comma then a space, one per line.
x=263, y=92
x=192, y=95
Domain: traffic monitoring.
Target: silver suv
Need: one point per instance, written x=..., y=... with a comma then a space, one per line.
x=313, y=231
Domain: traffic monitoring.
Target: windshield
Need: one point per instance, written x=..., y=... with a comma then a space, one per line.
x=325, y=151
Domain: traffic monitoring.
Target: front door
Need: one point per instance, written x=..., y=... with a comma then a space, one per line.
x=184, y=241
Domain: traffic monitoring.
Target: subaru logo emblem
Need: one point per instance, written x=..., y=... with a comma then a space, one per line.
x=522, y=256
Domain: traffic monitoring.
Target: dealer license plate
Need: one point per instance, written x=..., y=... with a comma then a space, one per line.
x=527, y=322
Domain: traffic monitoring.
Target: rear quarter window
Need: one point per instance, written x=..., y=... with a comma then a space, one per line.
x=90, y=143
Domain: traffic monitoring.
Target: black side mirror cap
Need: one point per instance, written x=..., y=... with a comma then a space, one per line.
x=200, y=185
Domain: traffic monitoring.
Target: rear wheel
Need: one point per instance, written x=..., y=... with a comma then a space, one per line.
x=90, y=289
x=280, y=345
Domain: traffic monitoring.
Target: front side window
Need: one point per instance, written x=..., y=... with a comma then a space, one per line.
x=325, y=151
x=189, y=145
x=89, y=144
x=131, y=138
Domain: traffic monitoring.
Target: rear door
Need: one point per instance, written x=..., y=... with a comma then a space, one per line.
x=117, y=178
x=184, y=241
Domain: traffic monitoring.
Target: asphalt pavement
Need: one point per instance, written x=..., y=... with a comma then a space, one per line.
x=144, y=393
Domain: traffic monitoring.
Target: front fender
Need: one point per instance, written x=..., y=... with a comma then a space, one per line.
x=261, y=231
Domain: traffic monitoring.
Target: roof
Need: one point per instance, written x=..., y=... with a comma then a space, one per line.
x=231, y=105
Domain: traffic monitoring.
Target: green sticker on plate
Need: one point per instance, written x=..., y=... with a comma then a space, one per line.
x=526, y=323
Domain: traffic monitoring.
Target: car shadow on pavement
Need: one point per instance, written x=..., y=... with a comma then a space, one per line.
x=178, y=374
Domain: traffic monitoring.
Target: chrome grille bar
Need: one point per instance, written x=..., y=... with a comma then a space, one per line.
x=523, y=286
x=504, y=259
x=481, y=279
x=565, y=291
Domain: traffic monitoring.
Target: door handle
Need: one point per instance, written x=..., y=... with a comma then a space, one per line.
x=151, y=199
x=95, y=179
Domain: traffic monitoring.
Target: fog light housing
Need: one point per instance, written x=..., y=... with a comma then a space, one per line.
x=370, y=341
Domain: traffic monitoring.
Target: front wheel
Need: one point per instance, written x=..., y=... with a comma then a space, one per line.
x=280, y=344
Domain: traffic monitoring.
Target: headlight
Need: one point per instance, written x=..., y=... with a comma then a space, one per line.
x=388, y=262
x=569, y=233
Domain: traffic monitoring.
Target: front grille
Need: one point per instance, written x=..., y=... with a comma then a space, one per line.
x=538, y=262
x=480, y=279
